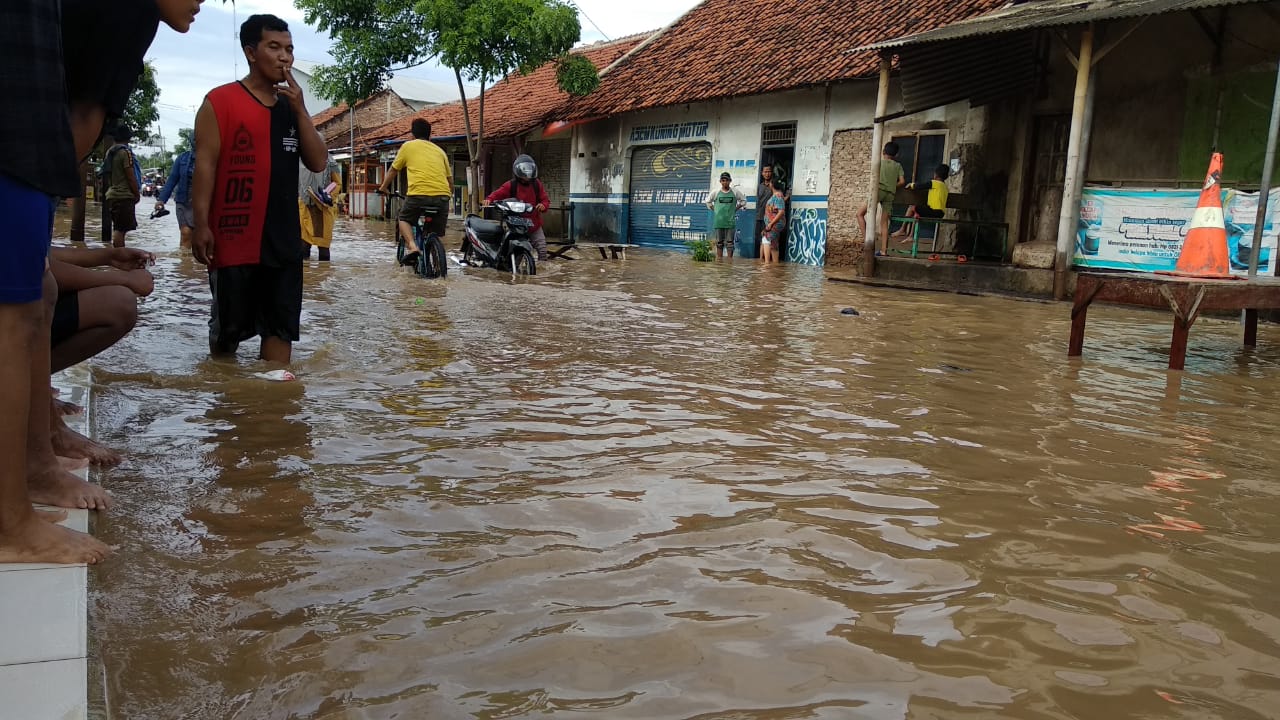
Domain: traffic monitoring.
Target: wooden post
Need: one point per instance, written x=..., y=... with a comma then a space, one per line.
x=1070, y=215
x=1251, y=328
x=869, y=240
x=1178, y=346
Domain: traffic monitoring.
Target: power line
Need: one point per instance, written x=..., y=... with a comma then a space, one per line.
x=584, y=14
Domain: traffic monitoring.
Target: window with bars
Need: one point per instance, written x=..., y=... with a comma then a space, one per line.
x=778, y=135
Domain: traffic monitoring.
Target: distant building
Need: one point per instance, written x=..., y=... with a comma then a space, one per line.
x=416, y=92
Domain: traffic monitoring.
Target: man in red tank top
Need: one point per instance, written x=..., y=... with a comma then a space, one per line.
x=249, y=135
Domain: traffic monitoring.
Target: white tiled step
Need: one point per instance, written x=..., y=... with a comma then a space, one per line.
x=42, y=615
x=55, y=690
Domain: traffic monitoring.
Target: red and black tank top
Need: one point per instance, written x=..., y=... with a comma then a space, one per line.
x=254, y=209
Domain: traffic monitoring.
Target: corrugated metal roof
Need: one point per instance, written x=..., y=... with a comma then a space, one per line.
x=1049, y=13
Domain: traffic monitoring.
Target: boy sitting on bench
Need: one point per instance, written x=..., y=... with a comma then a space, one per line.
x=936, y=204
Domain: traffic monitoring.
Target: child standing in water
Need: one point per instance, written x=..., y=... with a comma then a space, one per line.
x=775, y=212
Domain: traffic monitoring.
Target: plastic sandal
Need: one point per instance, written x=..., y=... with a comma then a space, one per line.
x=962, y=259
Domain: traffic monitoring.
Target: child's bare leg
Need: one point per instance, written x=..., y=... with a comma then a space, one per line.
x=884, y=231
x=862, y=221
x=47, y=481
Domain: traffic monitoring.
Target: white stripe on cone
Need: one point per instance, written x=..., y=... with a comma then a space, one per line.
x=1208, y=217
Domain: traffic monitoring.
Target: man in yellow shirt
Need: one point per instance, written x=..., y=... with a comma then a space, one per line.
x=430, y=186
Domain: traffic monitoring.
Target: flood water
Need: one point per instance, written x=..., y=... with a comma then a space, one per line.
x=658, y=489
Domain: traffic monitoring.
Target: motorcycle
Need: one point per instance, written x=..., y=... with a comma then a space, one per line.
x=502, y=244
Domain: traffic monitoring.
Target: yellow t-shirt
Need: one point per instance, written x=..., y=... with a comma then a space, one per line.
x=938, y=195
x=428, y=167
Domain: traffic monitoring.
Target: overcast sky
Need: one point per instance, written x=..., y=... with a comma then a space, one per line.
x=188, y=66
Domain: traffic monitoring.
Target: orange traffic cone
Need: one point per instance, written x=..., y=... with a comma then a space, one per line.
x=1204, y=250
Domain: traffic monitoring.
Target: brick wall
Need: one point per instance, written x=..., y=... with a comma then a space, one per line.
x=850, y=187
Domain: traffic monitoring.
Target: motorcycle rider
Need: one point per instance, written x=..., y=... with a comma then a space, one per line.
x=526, y=187
x=430, y=186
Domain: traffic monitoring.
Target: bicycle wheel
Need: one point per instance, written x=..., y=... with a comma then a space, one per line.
x=399, y=249
x=434, y=262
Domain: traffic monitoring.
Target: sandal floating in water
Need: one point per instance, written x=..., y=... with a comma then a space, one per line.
x=276, y=375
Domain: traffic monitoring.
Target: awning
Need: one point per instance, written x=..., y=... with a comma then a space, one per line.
x=1021, y=16
x=560, y=126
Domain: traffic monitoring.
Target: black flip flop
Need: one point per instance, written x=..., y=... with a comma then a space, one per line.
x=411, y=258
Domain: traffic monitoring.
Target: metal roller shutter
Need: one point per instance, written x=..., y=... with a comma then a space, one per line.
x=669, y=189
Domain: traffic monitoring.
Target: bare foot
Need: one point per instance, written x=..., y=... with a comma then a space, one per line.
x=73, y=464
x=69, y=443
x=60, y=488
x=39, y=541
x=64, y=408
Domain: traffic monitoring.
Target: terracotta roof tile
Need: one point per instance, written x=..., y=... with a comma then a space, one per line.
x=729, y=48
x=325, y=116
x=511, y=107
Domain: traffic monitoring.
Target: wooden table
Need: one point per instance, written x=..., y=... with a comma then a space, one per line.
x=616, y=249
x=1186, y=297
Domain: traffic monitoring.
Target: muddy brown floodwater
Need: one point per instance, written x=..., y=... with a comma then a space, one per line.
x=657, y=489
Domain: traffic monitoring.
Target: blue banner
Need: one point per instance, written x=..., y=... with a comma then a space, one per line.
x=1143, y=230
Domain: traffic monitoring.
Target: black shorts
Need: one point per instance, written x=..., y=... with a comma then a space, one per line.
x=123, y=217
x=253, y=300
x=66, y=318
x=415, y=206
x=925, y=211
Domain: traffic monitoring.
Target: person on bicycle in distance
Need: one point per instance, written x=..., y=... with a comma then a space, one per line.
x=430, y=186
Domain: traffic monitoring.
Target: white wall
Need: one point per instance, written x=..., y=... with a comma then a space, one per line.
x=734, y=133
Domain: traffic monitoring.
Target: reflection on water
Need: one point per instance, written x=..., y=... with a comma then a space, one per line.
x=649, y=489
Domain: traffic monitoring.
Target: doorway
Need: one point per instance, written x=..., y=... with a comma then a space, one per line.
x=1047, y=171
x=778, y=151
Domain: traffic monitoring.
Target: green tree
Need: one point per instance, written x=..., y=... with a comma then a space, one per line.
x=482, y=41
x=141, y=111
x=185, y=141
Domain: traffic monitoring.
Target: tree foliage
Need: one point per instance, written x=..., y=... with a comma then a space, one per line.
x=185, y=141
x=141, y=111
x=577, y=75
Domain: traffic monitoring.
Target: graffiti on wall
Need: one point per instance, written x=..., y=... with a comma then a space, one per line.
x=807, y=239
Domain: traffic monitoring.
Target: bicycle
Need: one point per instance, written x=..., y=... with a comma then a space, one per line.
x=432, y=261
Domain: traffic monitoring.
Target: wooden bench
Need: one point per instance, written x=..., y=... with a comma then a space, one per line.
x=957, y=202
x=618, y=250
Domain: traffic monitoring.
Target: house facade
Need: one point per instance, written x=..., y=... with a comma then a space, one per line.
x=1165, y=85
x=670, y=116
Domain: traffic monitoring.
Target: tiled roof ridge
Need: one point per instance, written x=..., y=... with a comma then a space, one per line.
x=615, y=41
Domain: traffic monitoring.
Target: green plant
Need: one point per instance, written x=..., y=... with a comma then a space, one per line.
x=701, y=250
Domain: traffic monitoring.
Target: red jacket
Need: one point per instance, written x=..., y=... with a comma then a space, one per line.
x=533, y=193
